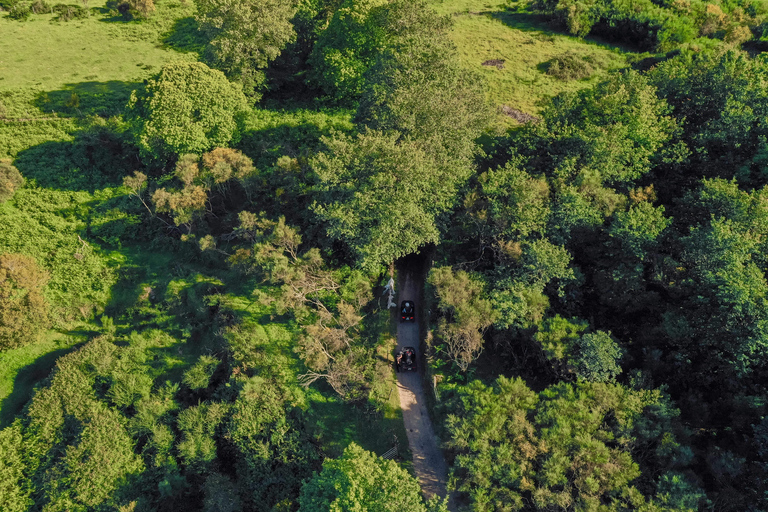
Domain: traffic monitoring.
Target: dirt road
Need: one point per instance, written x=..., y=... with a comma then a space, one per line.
x=428, y=461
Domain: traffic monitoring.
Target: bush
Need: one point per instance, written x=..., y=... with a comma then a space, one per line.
x=23, y=309
x=132, y=9
x=20, y=12
x=40, y=7
x=569, y=66
x=187, y=108
x=10, y=180
x=68, y=12
x=199, y=376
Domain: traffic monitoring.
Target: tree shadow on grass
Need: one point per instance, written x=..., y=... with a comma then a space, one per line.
x=103, y=99
x=98, y=157
x=539, y=23
x=185, y=37
x=27, y=378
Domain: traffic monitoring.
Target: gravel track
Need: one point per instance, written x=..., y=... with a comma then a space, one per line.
x=428, y=461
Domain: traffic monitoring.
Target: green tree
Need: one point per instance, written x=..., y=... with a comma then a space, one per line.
x=469, y=314
x=380, y=197
x=359, y=480
x=569, y=447
x=274, y=452
x=245, y=36
x=596, y=356
x=186, y=108
x=23, y=308
x=347, y=48
x=10, y=180
x=199, y=376
x=95, y=468
x=722, y=104
x=200, y=427
x=418, y=89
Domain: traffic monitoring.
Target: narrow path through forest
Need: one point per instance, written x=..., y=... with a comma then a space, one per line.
x=428, y=461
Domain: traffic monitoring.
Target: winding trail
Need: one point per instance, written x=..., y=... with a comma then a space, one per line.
x=428, y=461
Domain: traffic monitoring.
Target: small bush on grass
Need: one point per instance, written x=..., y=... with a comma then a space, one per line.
x=40, y=7
x=132, y=9
x=23, y=309
x=10, y=180
x=20, y=12
x=569, y=66
x=68, y=12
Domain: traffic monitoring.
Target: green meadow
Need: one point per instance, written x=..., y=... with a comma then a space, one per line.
x=525, y=43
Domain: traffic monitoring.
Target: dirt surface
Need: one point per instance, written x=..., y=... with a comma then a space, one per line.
x=517, y=115
x=428, y=461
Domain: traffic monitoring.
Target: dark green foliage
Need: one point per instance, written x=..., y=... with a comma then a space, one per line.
x=618, y=129
x=23, y=308
x=570, y=446
x=14, y=486
x=245, y=36
x=187, y=108
x=68, y=12
x=721, y=102
x=359, y=480
x=272, y=448
x=659, y=26
x=596, y=357
x=221, y=495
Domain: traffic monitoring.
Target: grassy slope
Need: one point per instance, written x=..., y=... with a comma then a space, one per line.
x=53, y=55
x=485, y=30
x=42, y=61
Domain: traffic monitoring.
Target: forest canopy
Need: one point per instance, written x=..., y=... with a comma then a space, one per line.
x=197, y=243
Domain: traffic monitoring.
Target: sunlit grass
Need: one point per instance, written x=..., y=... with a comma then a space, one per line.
x=486, y=31
x=50, y=54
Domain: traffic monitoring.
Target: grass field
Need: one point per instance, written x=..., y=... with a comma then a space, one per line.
x=485, y=31
x=52, y=55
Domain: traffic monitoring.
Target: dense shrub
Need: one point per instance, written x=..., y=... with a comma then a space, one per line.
x=40, y=7
x=655, y=25
x=569, y=66
x=68, y=12
x=187, y=108
x=132, y=9
x=20, y=11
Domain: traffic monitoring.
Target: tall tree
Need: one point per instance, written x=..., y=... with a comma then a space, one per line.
x=379, y=196
x=347, y=48
x=568, y=448
x=245, y=36
x=186, y=108
x=359, y=480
